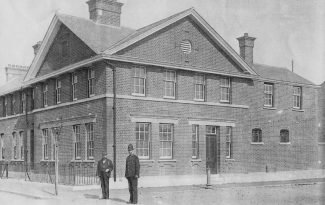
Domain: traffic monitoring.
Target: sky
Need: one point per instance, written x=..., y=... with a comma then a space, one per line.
x=284, y=30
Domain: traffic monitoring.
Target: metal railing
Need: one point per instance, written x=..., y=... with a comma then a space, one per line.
x=69, y=174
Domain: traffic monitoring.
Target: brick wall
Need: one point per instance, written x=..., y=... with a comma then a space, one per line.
x=77, y=51
x=164, y=46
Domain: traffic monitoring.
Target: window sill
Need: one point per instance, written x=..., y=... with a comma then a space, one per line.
x=285, y=143
x=297, y=110
x=75, y=99
x=199, y=100
x=139, y=94
x=146, y=161
x=269, y=108
x=257, y=143
x=224, y=101
x=229, y=160
x=46, y=161
x=17, y=160
x=169, y=97
x=166, y=160
x=80, y=161
x=92, y=95
x=196, y=160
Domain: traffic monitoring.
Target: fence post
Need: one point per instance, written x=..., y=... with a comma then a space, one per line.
x=7, y=166
x=208, y=185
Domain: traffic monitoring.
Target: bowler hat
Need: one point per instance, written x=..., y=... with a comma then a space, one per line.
x=130, y=147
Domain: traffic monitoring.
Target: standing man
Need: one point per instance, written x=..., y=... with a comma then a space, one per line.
x=132, y=171
x=104, y=168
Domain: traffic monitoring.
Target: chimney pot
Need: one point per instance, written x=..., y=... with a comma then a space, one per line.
x=36, y=47
x=246, y=45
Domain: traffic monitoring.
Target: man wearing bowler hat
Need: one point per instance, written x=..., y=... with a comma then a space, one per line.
x=104, y=168
x=132, y=172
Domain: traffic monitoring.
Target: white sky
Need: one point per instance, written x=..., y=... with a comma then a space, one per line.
x=285, y=30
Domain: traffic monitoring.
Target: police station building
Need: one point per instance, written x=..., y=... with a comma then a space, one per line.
x=175, y=89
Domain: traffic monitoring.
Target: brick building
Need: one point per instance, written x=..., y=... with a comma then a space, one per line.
x=180, y=94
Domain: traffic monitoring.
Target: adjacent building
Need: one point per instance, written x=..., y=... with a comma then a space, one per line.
x=175, y=89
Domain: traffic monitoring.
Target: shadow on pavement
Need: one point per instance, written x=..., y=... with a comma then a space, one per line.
x=118, y=200
x=21, y=194
x=91, y=196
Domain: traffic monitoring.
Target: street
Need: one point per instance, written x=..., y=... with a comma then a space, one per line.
x=303, y=192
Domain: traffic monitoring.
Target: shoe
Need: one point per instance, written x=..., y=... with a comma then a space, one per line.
x=129, y=202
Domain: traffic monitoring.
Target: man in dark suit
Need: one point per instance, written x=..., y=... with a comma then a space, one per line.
x=104, y=168
x=132, y=172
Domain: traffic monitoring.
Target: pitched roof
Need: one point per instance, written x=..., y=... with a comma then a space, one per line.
x=12, y=85
x=148, y=27
x=279, y=73
x=98, y=37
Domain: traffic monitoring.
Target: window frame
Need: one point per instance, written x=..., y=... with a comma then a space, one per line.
x=90, y=140
x=5, y=106
x=14, y=146
x=171, y=141
x=140, y=79
x=45, y=94
x=298, y=96
x=21, y=145
x=77, y=141
x=58, y=86
x=74, y=81
x=284, y=137
x=91, y=75
x=13, y=104
x=257, y=131
x=45, y=142
x=225, y=85
x=32, y=98
x=268, y=94
x=199, y=84
x=168, y=81
x=23, y=102
x=229, y=142
x=2, y=147
x=146, y=134
x=195, y=141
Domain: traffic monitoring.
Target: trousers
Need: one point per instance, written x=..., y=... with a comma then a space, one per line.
x=133, y=189
x=104, y=182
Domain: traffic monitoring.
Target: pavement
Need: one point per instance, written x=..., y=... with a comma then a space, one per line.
x=151, y=188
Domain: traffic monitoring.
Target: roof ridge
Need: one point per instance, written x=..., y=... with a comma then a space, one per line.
x=150, y=26
x=262, y=64
x=57, y=13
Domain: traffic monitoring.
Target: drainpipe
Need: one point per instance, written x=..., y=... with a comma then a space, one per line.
x=114, y=117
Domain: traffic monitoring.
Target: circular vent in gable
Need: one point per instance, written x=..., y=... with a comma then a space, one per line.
x=186, y=46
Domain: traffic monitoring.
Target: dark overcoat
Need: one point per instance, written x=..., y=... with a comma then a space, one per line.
x=103, y=165
x=132, y=167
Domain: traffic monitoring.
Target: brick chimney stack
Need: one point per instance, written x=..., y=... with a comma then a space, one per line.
x=36, y=47
x=105, y=12
x=246, y=45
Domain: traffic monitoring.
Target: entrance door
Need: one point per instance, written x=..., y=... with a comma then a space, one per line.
x=213, y=149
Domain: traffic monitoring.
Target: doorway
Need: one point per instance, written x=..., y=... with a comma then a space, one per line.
x=213, y=148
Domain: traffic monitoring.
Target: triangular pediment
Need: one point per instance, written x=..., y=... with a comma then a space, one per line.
x=168, y=41
x=65, y=49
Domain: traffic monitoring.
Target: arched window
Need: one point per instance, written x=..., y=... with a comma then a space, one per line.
x=256, y=135
x=284, y=135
